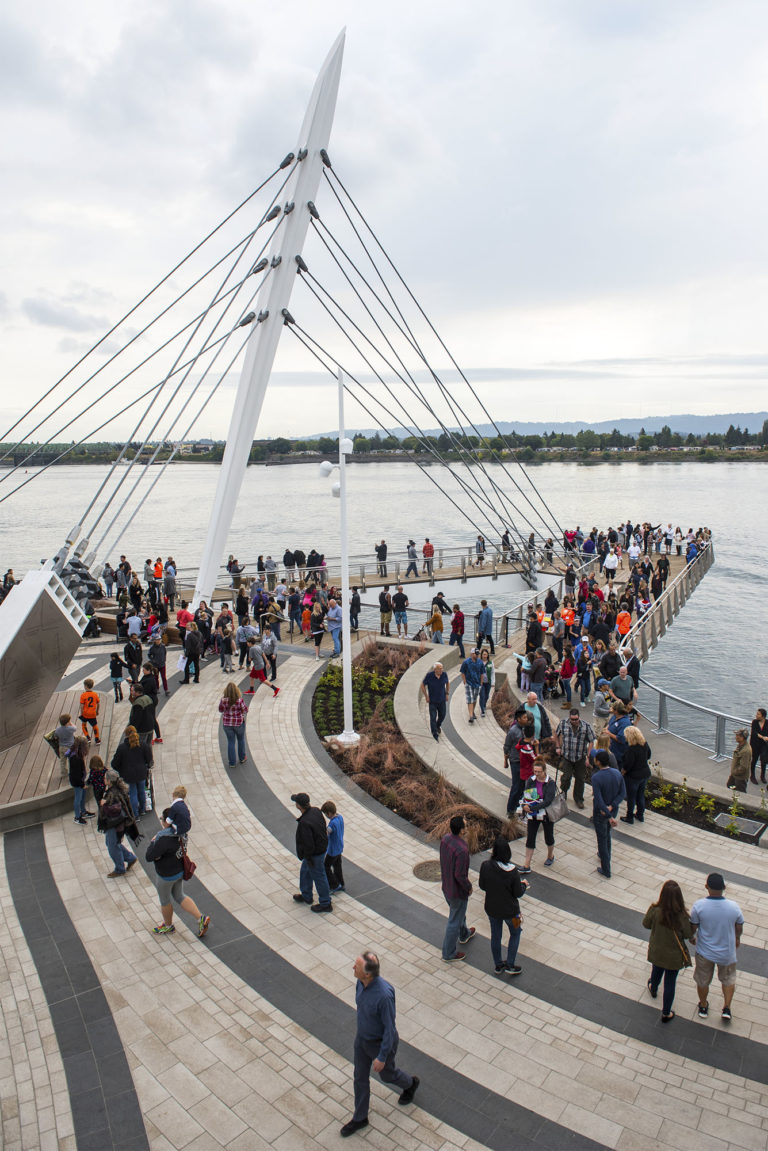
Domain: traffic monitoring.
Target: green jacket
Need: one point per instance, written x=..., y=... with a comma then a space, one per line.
x=663, y=948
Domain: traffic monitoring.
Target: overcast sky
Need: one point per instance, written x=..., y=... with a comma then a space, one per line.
x=574, y=190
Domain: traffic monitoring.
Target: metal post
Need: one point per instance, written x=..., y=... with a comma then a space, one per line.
x=439, y=557
x=349, y=736
x=495, y=572
x=663, y=724
x=719, y=738
x=362, y=577
x=463, y=569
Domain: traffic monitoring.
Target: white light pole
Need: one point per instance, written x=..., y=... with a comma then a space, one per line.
x=348, y=736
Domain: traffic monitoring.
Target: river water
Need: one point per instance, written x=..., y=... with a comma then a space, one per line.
x=716, y=653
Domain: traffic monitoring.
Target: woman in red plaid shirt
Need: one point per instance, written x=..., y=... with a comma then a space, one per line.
x=233, y=710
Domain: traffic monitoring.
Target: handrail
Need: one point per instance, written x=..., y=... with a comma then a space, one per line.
x=721, y=718
x=667, y=606
x=695, y=706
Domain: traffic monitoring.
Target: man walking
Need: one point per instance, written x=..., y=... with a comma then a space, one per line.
x=472, y=671
x=333, y=619
x=381, y=558
x=413, y=567
x=485, y=626
x=574, y=738
x=311, y=846
x=269, y=651
x=454, y=872
x=400, y=605
x=428, y=555
x=608, y=792
x=718, y=924
x=512, y=760
x=435, y=688
x=376, y=1041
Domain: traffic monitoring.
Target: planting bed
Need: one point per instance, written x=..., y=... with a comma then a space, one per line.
x=383, y=762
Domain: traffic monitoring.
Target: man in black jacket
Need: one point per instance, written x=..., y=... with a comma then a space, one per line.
x=534, y=636
x=311, y=846
x=142, y=715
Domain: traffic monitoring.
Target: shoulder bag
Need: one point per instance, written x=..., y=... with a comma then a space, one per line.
x=687, y=961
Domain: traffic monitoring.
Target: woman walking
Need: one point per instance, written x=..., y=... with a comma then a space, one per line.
x=317, y=626
x=132, y=762
x=503, y=887
x=115, y=818
x=670, y=926
x=489, y=679
x=234, y=710
x=167, y=851
x=539, y=793
x=636, y=770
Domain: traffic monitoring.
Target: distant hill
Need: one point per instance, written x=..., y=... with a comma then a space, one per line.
x=699, y=425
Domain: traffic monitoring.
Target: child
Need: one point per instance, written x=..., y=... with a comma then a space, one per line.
x=97, y=777
x=116, y=665
x=89, y=711
x=526, y=748
x=77, y=778
x=179, y=814
x=335, y=847
x=306, y=624
x=257, y=669
x=65, y=733
x=227, y=649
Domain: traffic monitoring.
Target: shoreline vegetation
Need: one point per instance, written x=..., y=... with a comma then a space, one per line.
x=583, y=457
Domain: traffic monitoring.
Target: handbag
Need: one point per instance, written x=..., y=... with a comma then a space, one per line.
x=189, y=868
x=558, y=808
x=687, y=961
x=52, y=740
x=182, y=663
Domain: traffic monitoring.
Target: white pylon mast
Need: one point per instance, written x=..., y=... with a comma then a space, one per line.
x=262, y=345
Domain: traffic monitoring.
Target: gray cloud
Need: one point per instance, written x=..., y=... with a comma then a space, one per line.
x=53, y=314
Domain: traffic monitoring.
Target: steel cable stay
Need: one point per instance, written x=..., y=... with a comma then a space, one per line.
x=167, y=434
x=137, y=336
x=444, y=392
x=410, y=427
x=135, y=511
x=287, y=162
x=550, y=517
x=173, y=395
x=142, y=363
x=430, y=447
x=413, y=387
x=93, y=431
x=348, y=375
x=187, y=368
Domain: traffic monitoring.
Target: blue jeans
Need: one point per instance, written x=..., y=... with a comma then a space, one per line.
x=603, y=834
x=138, y=797
x=670, y=979
x=118, y=854
x=79, y=802
x=514, y=941
x=516, y=790
x=566, y=686
x=584, y=686
x=538, y=688
x=635, y=800
x=336, y=637
x=313, y=871
x=437, y=637
x=235, y=735
x=456, y=928
x=456, y=638
x=412, y=567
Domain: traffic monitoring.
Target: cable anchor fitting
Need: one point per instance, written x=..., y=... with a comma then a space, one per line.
x=289, y=208
x=288, y=160
x=302, y=153
x=262, y=316
x=246, y=320
x=287, y=317
x=273, y=214
x=262, y=264
x=325, y=158
x=313, y=210
x=276, y=260
x=301, y=264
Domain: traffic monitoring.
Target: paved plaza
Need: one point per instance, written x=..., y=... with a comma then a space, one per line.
x=111, y=1037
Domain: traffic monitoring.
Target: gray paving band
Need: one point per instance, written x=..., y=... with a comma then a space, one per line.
x=707, y=1045
x=105, y=1109
x=469, y=753
x=477, y=1112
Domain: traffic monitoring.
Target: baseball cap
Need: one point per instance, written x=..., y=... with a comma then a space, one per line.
x=301, y=798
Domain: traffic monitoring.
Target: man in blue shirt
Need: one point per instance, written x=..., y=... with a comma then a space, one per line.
x=485, y=626
x=436, y=688
x=608, y=791
x=472, y=671
x=718, y=924
x=333, y=619
x=376, y=1040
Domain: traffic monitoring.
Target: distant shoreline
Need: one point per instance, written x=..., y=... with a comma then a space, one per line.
x=536, y=459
